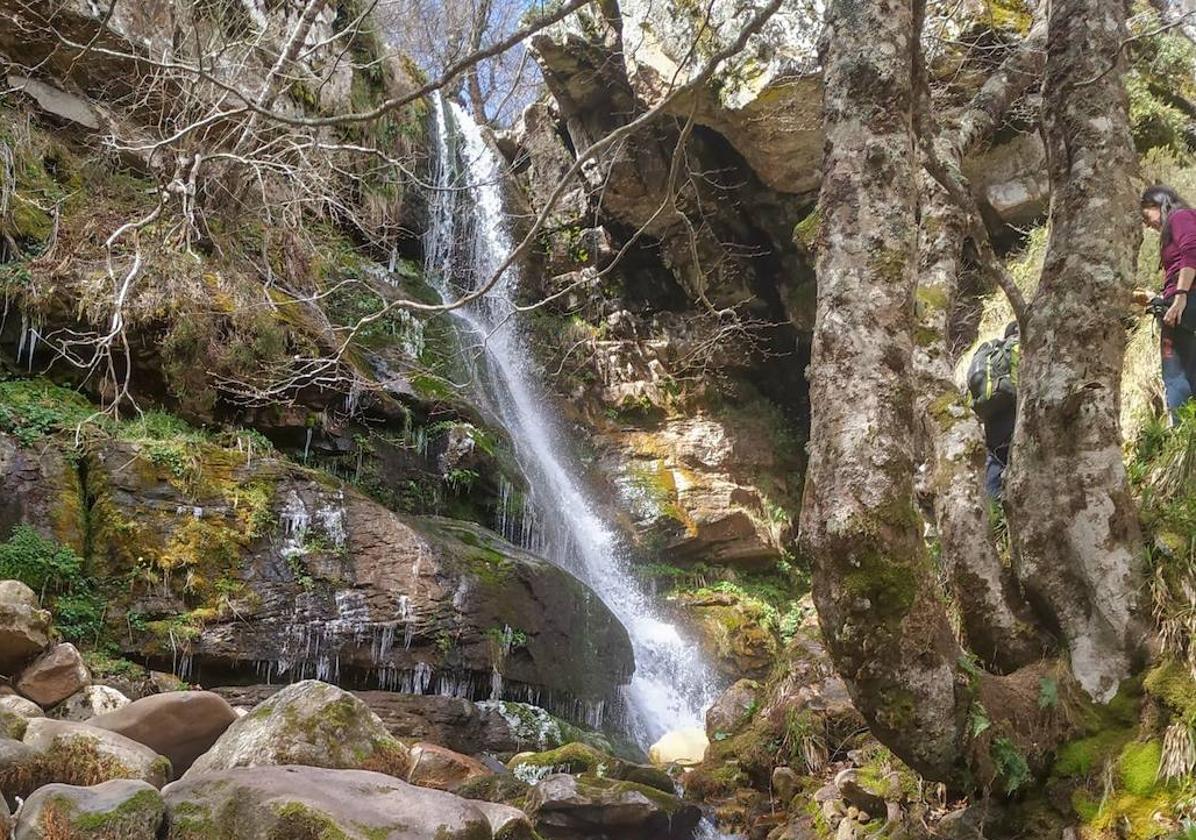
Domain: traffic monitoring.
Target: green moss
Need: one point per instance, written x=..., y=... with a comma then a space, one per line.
x=297, y=821
x=191, y=821
x=807, y=232
x=571, y=758
x=12, y=725
x=1138, y=766
x=888, y=584
x=1171, y=681
x=1084, y=757
x=126, y=816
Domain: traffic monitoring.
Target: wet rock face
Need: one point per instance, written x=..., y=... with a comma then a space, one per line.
x=326, y=583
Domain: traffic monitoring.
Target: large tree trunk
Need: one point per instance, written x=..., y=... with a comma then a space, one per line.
x=873, y=582
x=995, y=620
x=1074, y=524
x=992, y=614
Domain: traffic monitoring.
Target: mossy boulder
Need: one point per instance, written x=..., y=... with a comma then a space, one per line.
x=315, y=803
x=564, y=807
x=78, y=754
x=580, y=758
x=309, y=723
x=117, y=810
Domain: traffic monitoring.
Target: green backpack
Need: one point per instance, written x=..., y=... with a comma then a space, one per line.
x=992, y=377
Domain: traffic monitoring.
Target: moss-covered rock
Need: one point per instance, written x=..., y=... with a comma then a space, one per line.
x=564, y=807
x=313, y=803
x=578, y=758
x=309, y=723
x=115, y=810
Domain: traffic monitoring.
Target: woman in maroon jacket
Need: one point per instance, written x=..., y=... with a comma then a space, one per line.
x=1166, y=212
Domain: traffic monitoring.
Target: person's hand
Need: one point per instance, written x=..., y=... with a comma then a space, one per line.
x=1143, y=297
x=1176, y=310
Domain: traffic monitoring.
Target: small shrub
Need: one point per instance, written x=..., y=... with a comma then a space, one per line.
x=56, y=573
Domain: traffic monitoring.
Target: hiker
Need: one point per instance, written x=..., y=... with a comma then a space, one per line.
x=1164, y=211
x=992, y=383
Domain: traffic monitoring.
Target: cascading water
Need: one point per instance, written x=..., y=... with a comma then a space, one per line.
x=466, y=243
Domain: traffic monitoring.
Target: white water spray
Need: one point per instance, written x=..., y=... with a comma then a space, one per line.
x=466, y=243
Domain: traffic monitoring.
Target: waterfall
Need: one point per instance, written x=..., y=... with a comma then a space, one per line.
x=467, y=240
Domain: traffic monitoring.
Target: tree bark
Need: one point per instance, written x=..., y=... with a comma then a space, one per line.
x=995, y=619
x=1074, y=524
x=873, y=582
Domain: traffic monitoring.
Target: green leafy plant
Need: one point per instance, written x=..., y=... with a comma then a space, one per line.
x=1010, y=763
x=56, y=573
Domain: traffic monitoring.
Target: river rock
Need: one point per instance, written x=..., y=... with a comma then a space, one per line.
x=564, y=807
x=122, y=809
x=76, y=752
x=854, y=793
x=506, y=823
x=733, y=708
x=310, y=723
x=784, y=783
x=19, y=768
x=54, y=676
x=441, y=768
x=681, y=746
x=24, y=628
x=86, y=703
x=181, y=725
x=15, y=712
x=5, y=818
x=269, y=803
x=16, y=705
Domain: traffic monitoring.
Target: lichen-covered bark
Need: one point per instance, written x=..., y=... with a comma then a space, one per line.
x=873, y=585
x=995, y=619
x=993, y=616
x=1074, y=524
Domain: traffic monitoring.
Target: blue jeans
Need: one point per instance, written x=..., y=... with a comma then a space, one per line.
x=994, y=473
x=1177, y=348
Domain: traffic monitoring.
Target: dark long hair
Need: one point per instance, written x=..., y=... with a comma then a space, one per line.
x=1168, y=201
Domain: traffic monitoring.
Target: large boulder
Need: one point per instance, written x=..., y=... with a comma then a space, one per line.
x=24, y=628
x=733, y=708
x=441, y=768
x=121, y=809
x=76, y=753
x=89, y=702
x=564, y=807
x=54, y=676
x=310, y=723
x=267, y=803
x=181, y=725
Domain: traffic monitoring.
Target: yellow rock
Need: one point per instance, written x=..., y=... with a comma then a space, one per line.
x=681, y=746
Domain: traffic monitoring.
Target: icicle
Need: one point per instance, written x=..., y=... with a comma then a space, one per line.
x=307, y=444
